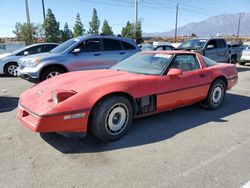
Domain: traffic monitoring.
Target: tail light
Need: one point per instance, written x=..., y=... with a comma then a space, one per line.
x=60, y=95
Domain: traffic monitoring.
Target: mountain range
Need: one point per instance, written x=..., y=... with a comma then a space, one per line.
x=223, y=25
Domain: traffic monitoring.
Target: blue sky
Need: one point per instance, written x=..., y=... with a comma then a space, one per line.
x=156, y=15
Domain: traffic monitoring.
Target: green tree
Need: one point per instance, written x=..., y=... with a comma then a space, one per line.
x=138, y=34
x=106, y=29
x=128, y=30
x=94, y=24
x=26, y=32
x=51, y=27
x=66, y=33
x=78, y=28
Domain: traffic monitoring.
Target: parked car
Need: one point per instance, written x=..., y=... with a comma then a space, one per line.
x=149, y=47
x=213, y=48
x=105, y=102
x=82, y=53
x=245, y=57
x=9, y=61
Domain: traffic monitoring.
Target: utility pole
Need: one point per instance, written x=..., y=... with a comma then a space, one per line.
x=238, y=32
x=43, y=10
x=176, y=22
x=27, y=12
x=136, y=16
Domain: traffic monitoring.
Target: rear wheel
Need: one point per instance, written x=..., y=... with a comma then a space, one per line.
x=242, y=63
x=10, y=68
x=111, y=118
x=216, y=94
x=51, y=72
x=233, y=59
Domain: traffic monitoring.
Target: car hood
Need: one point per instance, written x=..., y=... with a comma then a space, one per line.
x=5, y=55
x=42, y=56
x=85, y=83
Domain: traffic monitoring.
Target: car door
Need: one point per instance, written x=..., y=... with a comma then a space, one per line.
x=222, y=51
x=211, y=50
x=86, y=56
x=190, y=87
x=112, y=52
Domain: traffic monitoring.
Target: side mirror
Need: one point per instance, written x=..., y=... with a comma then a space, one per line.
x=210, y=47
x=76, y=51
x=174, y=72
x=26, y=53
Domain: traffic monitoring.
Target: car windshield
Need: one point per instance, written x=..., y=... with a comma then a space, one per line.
x=64, y=46
x=193, y=44
x=145, y=63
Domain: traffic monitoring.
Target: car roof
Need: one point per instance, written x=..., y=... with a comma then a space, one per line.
x=171, y=52
x=206, y=38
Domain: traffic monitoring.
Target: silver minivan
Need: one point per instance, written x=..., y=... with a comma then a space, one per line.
x=82, y=53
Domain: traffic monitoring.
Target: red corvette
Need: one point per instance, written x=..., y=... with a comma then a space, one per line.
x=106, y=101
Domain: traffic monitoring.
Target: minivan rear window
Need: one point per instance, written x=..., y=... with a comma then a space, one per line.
x=127, y=46
x=111, y=45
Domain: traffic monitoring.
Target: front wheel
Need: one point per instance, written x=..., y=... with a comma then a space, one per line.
x=51, y=72
x=216, y=94
x=111, y=118
x=242, y=63
x=11, y=68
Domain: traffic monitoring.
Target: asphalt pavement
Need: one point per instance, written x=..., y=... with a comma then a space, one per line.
x=187, y=147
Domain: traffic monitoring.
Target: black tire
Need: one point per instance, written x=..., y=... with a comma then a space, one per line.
x=233, y=59
x=111, y=118
x=10, y=68
x=242, y=63
x=52, y=70
x=216, y=95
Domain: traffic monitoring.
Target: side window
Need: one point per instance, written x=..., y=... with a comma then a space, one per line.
x=92, y=45
x=48, y=47
x=212, y=43
x=159, y=48
x=32, y=50
x=127, y=46
x=111, y=45
x=168, y=48
x=221, y=43
x=185, y=62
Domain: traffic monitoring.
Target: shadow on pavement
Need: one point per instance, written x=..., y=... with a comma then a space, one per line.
x=243, y=68
x=5, y=76
x=8, y=103
x=152, y=129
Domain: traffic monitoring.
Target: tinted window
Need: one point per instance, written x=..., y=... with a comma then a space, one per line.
x=32, y=50
x=221, y=43
x=168, y=48
x=209, y=62
x=185, y=62
x=111, y=45
x=92, y=45
x=212, y=42
x=127, y=46
x=48, y=47
x=159, y=48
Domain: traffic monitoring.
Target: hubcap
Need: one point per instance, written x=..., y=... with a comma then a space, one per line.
x=12, y=69
x=117, y=119
x=217, y=94
x=52, y=74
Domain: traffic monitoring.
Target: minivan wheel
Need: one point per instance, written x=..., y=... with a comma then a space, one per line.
x=51, y=72
x=10, y=68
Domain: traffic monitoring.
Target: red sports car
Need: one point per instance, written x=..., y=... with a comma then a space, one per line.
x=106, y=101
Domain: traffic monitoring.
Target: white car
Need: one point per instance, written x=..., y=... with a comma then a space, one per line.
x=9, y=61
x=245, y=57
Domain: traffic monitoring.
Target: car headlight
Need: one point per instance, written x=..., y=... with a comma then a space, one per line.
x=30, y=62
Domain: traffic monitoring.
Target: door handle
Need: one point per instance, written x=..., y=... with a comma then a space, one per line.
x=122, y=53
x=202, y=75
x=97, y=54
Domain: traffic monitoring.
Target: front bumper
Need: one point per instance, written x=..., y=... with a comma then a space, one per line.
x=28, y=73
x=52, y=123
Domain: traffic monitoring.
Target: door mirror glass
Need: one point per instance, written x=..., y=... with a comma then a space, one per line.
x=173, y=72
x=26, y=53
x=210, y=47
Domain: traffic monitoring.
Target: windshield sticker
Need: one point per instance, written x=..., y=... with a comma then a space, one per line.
x=167, y=56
